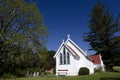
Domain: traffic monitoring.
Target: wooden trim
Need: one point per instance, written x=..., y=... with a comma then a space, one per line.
x=63, y=70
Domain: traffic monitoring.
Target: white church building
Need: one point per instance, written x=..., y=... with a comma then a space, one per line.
x=70, y=58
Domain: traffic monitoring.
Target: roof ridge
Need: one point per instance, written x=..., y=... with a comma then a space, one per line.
x=74, y=44
x=71, y=49
x=77, y=47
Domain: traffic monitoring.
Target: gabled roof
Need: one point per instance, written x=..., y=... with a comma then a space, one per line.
x=71, y=49
x=67, y=47
x=96, y=59
x=59, y=49
x=76, y=46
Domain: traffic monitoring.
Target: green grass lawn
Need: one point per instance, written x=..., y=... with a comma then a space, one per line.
x=97, y=76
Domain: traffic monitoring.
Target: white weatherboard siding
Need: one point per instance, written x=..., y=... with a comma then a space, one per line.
x=70, y=58
x=71, y=69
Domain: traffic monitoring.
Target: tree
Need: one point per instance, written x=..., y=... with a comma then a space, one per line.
x=22, y=32
x=50, y=63
x=102, y=35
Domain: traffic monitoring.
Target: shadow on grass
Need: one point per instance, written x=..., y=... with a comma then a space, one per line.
x=110, y=78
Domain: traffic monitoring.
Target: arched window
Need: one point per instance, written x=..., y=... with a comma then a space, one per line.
x=64, y=56
x=68, y=58
x=60, y=58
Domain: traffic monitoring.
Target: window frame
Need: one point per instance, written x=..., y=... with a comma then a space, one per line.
x=64, y=58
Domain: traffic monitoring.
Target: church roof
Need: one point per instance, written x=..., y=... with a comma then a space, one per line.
x=75, y=45
x=72, y=49
x=96, y=59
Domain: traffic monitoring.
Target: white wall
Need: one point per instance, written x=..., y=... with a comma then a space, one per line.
x=70, y=67
x=74, y=65
x=83, y=61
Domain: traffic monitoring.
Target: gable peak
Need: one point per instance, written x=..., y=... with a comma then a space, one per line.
x=68, y=36
x=63, y=40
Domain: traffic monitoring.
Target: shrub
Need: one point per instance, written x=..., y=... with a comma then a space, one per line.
x=20, y=73
x=116, y=68
x=54, y=70
x=83, y=71
x=97, y=70
x=9, y=76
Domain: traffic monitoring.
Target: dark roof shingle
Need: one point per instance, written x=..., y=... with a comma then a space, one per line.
x=96, y=59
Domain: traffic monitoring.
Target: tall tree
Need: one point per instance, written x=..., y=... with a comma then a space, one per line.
x=102, y=36
x=50, y=63
x=21, y=29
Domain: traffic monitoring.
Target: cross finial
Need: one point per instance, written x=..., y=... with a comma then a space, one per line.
x=63, y=40
x=68, y=35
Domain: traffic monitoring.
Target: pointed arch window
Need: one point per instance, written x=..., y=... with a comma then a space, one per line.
x=68, y=58
x=64, y=57
x=61, y=58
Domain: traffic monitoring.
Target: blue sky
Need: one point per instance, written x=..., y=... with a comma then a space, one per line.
x=63, y=17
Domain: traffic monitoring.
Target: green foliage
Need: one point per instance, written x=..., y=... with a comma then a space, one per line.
x=54, y=70
x=98, y=70
x=9, y=76
x=20, y=72
x=50, y=63
x=103, y=26
x=98, y=76
x=83, y=71
x=22, y=36
x=116, y=68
